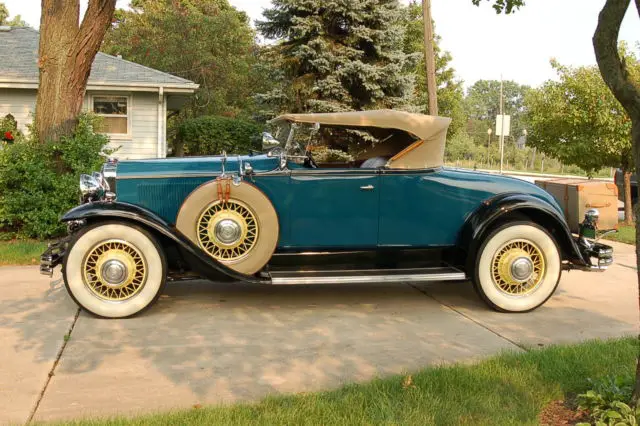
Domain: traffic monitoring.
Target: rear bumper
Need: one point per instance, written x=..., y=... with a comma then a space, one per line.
x=53, y=256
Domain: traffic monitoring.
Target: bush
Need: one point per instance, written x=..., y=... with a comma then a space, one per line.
x=608, y=402
x=209, y=135
x=39, y=182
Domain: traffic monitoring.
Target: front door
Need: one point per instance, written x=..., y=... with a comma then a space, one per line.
x=333, y=209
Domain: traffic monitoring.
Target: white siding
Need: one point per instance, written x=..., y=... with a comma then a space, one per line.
x=21, y=103
x=143, y=142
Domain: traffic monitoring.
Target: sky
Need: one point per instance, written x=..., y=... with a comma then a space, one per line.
x=484, y=45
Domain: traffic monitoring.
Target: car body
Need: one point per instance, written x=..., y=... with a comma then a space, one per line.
x=392, y=213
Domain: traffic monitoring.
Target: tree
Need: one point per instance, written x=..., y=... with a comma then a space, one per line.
x=4, y=18
x=450, y=92
x=578, y=121
x=616, y=75
x=206, y=41
x=342, y=55
x=65, y=56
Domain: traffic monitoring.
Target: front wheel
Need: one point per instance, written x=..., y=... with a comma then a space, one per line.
x=518, y=267
x=114, y=270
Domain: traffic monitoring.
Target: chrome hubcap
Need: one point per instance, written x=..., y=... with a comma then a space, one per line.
x=522, y=269
x=228, y=231
x=114, y=272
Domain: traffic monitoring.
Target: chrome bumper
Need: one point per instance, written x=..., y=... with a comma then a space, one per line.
x=53, y=256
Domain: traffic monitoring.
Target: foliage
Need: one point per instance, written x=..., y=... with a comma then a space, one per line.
x=323, y=154
x=208, y=135
x=39, y=181
x=206, y=41
x=506, y=6
x=450, y=92
x=462, y=147
x=482, y=104
x=5, y=21
x=579, y=121
x=9, y=132
x=341, y=55
x=607, y=401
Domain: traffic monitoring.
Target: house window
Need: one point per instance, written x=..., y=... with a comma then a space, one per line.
x=114, y=111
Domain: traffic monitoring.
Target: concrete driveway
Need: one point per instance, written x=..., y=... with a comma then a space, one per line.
x=209, y=343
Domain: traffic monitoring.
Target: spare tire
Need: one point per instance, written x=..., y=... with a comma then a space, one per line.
x=240, y=231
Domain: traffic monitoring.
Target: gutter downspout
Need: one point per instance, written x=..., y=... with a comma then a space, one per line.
x=160, y=151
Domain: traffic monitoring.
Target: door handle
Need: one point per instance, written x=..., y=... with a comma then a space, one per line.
x=367, y=188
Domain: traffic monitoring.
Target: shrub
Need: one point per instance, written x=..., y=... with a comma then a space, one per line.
x=38, y=182
x=608, y=402
x=209, y=135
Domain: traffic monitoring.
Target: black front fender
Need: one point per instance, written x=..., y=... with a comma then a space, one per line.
x=92, y=212
x=535, y=209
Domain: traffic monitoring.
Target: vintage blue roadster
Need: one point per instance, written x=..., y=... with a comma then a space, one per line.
x=388, y=213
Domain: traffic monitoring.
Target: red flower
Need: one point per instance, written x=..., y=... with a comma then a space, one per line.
x=8, y=136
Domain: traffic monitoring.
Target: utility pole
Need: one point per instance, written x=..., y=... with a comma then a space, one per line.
x=429, y=58
x=502, y=128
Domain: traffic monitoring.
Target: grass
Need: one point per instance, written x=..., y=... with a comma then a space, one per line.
x=507, y=389
x=21, y=252
x=626, y=234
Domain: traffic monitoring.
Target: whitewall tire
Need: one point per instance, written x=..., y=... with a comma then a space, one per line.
x=114, y=270
x=517, y=268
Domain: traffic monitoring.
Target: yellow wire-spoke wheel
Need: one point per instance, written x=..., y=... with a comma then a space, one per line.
x=518, y=268
x=114, y=270
x=227, y=230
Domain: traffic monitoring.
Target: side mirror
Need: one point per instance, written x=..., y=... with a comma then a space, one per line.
x=269, y=142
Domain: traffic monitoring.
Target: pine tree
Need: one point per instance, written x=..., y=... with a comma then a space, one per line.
x=341, y=55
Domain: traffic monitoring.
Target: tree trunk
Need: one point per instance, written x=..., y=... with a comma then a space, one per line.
x=615, y=74
x=628, y=200
x=430, y=58
x=66, y=54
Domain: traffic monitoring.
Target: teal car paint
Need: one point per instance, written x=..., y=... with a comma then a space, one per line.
x=328, y=208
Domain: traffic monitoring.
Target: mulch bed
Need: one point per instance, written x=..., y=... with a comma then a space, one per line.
x=562, y=413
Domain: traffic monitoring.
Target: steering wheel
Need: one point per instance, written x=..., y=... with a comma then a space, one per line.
x=309, y=162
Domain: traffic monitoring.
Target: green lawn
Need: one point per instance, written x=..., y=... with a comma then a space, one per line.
x=507, y=389
x=21, y=252
x=626, y=234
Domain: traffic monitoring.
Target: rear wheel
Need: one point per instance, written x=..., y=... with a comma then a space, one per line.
x=114, y=270
x=518, y=267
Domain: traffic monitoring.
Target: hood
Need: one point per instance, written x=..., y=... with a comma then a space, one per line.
x=193, y=166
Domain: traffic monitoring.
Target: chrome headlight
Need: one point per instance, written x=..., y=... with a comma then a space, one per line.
x=90, y=188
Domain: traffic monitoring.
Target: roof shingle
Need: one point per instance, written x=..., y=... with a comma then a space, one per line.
x=19, y=63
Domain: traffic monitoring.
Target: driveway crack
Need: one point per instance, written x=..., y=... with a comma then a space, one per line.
x=66, y=339
x=459, y=312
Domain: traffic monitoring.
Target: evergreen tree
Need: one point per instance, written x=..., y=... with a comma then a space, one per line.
x=341, y=55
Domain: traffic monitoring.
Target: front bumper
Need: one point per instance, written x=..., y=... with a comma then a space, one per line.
x=53, y=256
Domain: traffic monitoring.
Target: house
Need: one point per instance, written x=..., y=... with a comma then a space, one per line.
x=133, y=100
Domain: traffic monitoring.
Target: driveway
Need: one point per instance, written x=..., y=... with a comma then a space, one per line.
x=210, y=343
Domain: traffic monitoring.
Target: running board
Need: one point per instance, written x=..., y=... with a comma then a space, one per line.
x=367, y=276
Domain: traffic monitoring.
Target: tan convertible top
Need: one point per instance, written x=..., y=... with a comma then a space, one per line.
x=428, y=132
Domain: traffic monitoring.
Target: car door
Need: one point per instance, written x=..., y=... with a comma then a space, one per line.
x=333, y=209
x=419, y=208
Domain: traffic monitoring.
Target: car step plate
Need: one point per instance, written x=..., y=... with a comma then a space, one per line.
x=446, y=273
